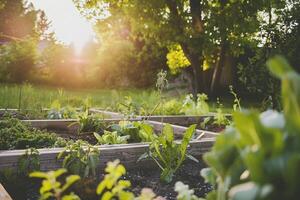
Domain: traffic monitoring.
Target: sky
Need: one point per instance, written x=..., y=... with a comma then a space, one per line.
x=67, y=23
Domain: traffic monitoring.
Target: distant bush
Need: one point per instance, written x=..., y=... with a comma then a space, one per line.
x=17, y=60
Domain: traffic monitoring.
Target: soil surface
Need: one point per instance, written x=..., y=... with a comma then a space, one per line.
x=189, y=174
x=140, y=178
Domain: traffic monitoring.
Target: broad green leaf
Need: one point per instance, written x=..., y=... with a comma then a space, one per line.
x=279, y=66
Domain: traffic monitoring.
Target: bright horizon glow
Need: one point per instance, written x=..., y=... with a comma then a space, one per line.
x=67, y=23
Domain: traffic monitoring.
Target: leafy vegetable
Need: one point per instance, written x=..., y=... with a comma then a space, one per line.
x=168, y=154
x=111, y=138
x=259, y=156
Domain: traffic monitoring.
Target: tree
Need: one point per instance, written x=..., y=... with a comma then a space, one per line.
x=17, y=20
x=206, y=31
x=43, y=26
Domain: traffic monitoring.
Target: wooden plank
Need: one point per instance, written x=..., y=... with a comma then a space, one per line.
x=179, y=130
x=113, y=115
x=128, y=154
x=182, y=120
x=4, y=194
x=70, y=126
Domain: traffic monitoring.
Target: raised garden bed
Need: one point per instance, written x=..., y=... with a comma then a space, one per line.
x=181, y=120
x=142, y=174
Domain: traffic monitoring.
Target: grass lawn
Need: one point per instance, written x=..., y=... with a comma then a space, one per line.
x=33, y=97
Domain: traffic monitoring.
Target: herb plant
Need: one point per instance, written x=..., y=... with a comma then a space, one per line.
x=168, y=154
x=80, y=158
x=113, y=187
x=52, y=188
x=259, y=156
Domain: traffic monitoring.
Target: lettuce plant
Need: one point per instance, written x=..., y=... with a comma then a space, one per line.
x=259, y=156
x=111, y=138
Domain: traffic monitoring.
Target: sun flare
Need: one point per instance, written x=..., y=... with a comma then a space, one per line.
x=67, y=23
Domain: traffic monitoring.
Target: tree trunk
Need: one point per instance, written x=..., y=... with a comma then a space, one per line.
x=215, y=83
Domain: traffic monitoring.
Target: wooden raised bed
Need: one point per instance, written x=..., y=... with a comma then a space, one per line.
x=181, y=120
x=70, y=126
x=128, y=154
x=4, y=194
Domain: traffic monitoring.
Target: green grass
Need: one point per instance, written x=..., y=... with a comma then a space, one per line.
x=42, y=97
x=34, y=97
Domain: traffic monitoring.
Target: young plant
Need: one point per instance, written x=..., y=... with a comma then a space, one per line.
x=200, y=107
x=220, y=119
x=58, y=112
x=29, y=162
x=138, y=131
x=80, y=158
x=128, y=108
x=112, y=187
x=111, y=138
x=237, y=101
x=53, y=189
x=184, y=193
x=168, y=154
x=89, y=123
x=258, y=157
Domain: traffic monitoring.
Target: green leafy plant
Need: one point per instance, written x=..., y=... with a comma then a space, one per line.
x=89, y=123
x=113, y=187
x=111, y=138
x=52, y=188
x=29, y=162
x=128, y=108
x=237, y=101
x=80, y=158
x=200, y=107
x=220, y=118
x=138, y=131
x=168, y=154
x=184, y=193
x=258, y=157
x=58, y=112
x=15, y=134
